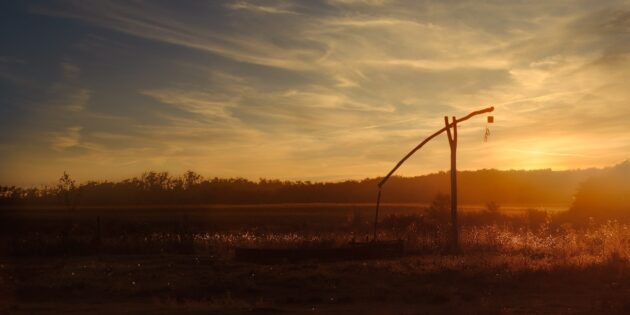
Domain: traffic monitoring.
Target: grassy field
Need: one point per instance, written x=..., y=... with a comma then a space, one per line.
x=180, y=260
x=194, y=284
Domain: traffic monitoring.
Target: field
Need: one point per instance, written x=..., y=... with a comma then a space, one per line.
x=157, y=260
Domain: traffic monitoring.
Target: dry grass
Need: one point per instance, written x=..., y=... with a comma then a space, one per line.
x=522, y=264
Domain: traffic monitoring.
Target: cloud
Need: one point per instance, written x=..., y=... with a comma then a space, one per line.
x=374, y=22
x=171, y=26
x=258, y=8
x=66, y=139
x=67, y=94
x=196, y=102
x=359, y=2
x=77, y=101
x=9, y=59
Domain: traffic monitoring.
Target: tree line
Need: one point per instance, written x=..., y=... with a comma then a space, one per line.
x=162, y=188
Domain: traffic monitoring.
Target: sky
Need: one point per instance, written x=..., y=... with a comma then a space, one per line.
x=308, y=90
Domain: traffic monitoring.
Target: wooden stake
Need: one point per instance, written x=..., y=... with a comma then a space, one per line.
x=454, y=223
x=452, y=141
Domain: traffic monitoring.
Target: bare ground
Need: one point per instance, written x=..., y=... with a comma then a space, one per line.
x=187, y=284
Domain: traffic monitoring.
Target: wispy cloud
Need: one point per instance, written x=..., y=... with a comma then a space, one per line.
x=161, y=24
x=259, y=8
x=68, y=93
x=360, y=2
x=9, y=59
x=196, y=102
x=66, y=139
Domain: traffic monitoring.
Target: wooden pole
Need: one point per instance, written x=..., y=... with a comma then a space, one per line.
x=452, y=141
x=454, y=223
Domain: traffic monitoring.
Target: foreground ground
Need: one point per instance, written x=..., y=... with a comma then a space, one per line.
x=171, y=260
x=189, y=284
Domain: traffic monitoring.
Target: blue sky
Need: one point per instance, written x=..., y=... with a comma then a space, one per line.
x=311, y=90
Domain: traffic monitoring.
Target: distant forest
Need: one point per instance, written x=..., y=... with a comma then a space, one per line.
x=535, y=187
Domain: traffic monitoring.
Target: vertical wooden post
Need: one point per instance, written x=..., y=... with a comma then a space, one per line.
x=454, y=222
x=452, y=141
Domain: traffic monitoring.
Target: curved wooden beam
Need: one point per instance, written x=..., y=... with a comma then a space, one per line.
x=475, y=113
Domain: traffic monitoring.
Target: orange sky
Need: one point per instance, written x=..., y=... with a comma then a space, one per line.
x=310, y=90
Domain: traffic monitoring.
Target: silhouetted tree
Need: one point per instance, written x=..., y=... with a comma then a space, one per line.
x=68, y=191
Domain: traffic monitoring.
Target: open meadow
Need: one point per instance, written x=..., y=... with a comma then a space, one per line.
x=156, y=260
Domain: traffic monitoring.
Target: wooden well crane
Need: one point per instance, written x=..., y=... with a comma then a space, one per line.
x=451, y=131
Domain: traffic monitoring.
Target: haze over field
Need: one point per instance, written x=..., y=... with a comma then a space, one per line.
x=309, y=90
